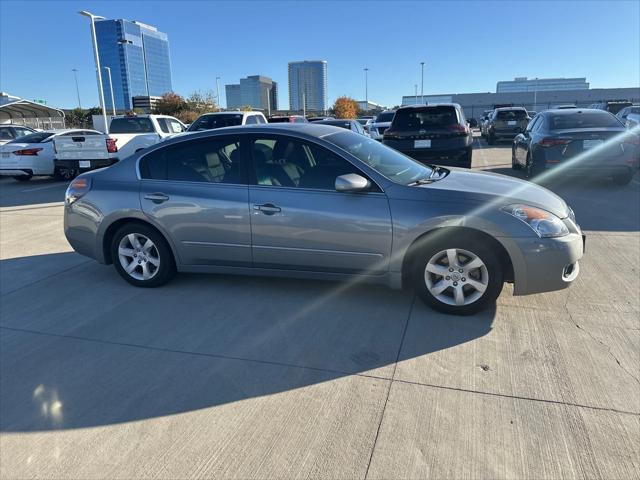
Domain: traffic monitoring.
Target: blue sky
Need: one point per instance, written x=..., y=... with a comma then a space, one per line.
x=467, y=46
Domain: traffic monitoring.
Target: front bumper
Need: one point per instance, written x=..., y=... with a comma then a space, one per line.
x=544, y=264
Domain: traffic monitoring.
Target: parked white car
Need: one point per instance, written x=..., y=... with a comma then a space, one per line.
x=380, y=124
x=135, y=133
x=35, y=154
x=210, y=121
x=9, y=132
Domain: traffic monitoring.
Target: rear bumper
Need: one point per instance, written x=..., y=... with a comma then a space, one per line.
x=544, y=264
x=510, y=134
x=93, y=164
x=15, y=172
x=457, y=157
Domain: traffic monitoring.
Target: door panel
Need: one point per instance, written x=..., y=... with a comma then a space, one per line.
x=196, y=190
x=320, y=231
x=208, y=223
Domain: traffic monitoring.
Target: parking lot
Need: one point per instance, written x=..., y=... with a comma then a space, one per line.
x=235, y=377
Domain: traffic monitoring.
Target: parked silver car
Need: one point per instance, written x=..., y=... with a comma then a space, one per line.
x=317, y=201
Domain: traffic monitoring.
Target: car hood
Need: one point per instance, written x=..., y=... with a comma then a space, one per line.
x=504, y=190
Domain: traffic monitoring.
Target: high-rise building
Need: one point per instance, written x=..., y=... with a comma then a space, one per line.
x=308, y=84
x=256, y=91
x=524, y=84
x=138, y=56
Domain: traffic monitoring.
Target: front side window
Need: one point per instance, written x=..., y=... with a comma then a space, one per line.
x=288, y=162
x=21, y=132
x=212, y=160
x=385, y=160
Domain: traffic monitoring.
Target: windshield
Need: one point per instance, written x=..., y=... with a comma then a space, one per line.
x=593, y=119
x=33, y=138
x=388, y=162
x=425, y=118
x=385, y=117
x=209, y=122
x=131, y=125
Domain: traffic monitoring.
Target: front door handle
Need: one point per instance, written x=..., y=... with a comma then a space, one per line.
x=267, y=208
x=156, y=197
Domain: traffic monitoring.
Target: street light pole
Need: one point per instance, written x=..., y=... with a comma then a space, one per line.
x=422, y=83
x=96, y=57
x=415, y=86
x=113, y=99
x=218, y=92
x=75, y=75
x=535, y=96
x=366, y=87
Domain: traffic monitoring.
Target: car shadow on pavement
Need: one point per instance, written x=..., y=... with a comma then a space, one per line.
x=599, y=204
x=34, y=193
x=85, y=349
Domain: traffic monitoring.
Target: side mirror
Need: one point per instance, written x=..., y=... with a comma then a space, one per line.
x=352, y=182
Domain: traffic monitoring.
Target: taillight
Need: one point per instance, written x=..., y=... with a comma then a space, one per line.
x=27, y=151
x=111, y=145
x=456, y=127
x=553, y=141
x=77, y=189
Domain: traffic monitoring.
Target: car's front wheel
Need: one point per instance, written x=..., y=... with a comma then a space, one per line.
x=458, y=276
x=142, y=256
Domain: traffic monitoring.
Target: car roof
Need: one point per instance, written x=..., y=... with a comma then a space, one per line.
x=571, y=111
x=503, y=109
x=15, y=125
x=429, y=105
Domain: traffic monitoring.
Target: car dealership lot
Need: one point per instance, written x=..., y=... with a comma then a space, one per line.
x=221, y=376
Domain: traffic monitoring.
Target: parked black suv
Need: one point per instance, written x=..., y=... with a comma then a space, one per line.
x=506, y=123
x=435, y=133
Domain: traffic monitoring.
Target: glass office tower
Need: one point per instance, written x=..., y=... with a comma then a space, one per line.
x=138, y=56
x=308, y=80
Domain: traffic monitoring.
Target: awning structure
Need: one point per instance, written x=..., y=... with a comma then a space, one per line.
x=31, y=114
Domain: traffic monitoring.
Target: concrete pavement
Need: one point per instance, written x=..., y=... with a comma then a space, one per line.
x=231, y=377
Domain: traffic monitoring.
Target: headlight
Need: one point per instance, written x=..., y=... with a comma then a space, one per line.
x=544, y=223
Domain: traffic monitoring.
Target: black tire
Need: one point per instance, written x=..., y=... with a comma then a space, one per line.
x=514, y=163
x=439, y=243
x=467, y=159
x=23, y=178
x=622, y=178
x=64, y=174
x=166, y=269
x=533, y=166
x=491, y=139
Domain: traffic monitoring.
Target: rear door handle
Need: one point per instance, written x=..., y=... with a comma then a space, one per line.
x=156, y=197
x=267, y=208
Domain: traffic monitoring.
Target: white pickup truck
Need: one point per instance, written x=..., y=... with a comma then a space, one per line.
x=135, y=133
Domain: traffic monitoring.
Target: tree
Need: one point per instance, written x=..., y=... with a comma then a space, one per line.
x=202, y=102
x=345, y=107
x=246, y=108
x=170, y=104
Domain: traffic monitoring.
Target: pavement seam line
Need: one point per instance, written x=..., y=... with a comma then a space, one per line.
x=393, y=374
x=318, y=369
x=45, y=278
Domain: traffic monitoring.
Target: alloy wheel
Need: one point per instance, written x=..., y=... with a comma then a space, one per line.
x=456, y=277
x=138, y=256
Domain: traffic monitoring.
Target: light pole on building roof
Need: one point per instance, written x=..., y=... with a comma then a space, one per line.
x=96, y=57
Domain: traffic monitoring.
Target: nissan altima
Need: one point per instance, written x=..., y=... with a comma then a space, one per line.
x=316, y=201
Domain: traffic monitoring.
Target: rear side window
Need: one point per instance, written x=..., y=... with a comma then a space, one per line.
x=212, y=160
x=425, y=118
x=163, y=125
x=131, y=125
x=511, y=115
x=251, y=119
x=597, y=119
x=385, y=117
x=6, y=134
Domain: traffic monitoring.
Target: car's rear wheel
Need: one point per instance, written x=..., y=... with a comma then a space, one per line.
x=533, y=166
x=514, y=162
x=23, y=178
x=622, y=178
x=64, y=174
x=458, y=276
x=491, y=138
x=142, y=256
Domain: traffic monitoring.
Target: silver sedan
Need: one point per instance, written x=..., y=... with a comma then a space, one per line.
x=315, y=201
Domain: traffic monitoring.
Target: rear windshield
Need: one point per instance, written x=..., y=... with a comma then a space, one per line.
x=385, y=117
x=594, y=119
x=337, y=123
x=131, y=125
x=511, y=115
x=209, y=122
x=279, y=120
x=425, y=118
x=616, y=107
x=33, y=137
